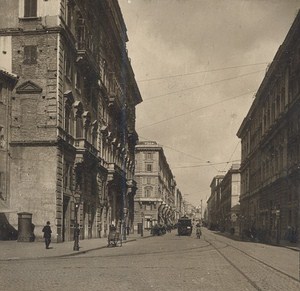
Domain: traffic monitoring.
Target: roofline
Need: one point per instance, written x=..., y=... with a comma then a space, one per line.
x=277, y=61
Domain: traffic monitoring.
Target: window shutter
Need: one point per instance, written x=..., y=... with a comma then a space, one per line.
x=30, y=54
x=30, y=8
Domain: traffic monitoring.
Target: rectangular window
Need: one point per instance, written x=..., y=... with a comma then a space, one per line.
x=149, y=156
x=30, y=54
x=149, y=168
x=68, y=177
x=68, y=69
x=148, y=192
x=148, y=180
x=2, y=184
x=30, y=8
x=94, y=186
x=77, y=81
x=69, y=14
x=1, y=93
x=2, y=140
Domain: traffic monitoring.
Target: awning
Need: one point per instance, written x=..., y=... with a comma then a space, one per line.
x=4, y=208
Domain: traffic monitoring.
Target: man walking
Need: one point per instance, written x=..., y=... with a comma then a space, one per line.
x=47, y=234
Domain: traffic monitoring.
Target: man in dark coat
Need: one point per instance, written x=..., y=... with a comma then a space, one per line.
x=47, y=234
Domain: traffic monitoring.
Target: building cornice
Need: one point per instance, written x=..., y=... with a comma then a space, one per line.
x=23, y=143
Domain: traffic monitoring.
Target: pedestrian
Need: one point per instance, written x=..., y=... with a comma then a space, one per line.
x=47, y=234
x=198, y=230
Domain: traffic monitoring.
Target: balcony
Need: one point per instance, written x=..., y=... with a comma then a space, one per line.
x=86, y=60
x=116, y=176
x=83, y=148
x=65, y=137
x=294, y=168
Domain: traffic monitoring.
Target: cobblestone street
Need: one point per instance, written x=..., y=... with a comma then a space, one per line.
x=167, y=262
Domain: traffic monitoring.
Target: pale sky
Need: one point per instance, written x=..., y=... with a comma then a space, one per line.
x=198, y=64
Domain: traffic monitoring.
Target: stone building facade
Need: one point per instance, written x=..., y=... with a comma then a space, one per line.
x=7, y=84
x=270, y=138
x=155, y=197
x=179, y=209
x=213, y=203
x=72, y=126
x=229, y=201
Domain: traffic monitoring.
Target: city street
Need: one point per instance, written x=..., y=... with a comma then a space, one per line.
x=168, y=262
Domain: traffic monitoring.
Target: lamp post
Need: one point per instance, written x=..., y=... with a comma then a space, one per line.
x=142, y=228
x=124, y=228
x=77, y=198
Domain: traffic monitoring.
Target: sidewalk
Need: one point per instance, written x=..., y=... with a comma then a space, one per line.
x=13, y=250
x=282, y=243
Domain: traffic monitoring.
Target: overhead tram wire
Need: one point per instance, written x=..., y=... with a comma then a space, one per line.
x=195, y=110
x=198, y=86
x=199, y=72
x=205, y=165
x=188, y=155
x=232, y=153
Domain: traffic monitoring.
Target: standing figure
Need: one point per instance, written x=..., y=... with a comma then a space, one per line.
x=47, y=234
x=198, y=230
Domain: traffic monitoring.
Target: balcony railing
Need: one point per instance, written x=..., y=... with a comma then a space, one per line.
x=86, y=58
x=66, y=137
x=82, y=145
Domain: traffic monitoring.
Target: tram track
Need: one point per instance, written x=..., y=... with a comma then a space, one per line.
x=258, y=260
x=258, y=273
x=157, y=252
x=252, y=282
x=224, y=245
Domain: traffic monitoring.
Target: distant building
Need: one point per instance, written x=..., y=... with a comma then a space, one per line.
x=213, y=203
x=270, y=138
x=155, y=200
x=229, y=202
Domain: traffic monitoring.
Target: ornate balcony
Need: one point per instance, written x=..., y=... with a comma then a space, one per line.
x=86, y=60
x=84, y=148
x=65, y=137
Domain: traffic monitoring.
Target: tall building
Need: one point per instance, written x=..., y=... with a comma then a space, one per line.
x=155, y=197
x=270, y=138
x=229, y=200
x=213, y=203
x=7, y=83
x=72, y=126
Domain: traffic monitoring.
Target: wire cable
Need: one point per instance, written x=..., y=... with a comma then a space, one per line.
x=188, y=155
x=232, y=153
x=195, y=110
x=205, y=165
x=199, y=72
x=198, y=86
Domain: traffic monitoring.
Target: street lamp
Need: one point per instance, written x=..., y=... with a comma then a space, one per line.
x=77, y=198
x=124, y=226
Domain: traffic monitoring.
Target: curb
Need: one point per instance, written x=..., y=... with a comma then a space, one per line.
x=76, y=253
x=89, y=250
x=293, y=248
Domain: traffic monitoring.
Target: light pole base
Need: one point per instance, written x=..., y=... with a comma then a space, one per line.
x=76, y=244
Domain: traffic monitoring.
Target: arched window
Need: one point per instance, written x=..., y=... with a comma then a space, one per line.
x=78, y=108
x=148, y=191
x=94, y=133
x=86, y=116
x=69, y=119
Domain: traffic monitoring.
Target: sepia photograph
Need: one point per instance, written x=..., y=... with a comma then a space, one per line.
x=149, y=145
